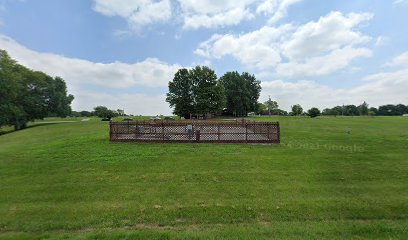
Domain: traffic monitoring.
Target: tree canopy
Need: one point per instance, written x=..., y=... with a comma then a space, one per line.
x=271, y=105
x=363, y=109
x=242, y=92
x=26, y=95
x=313, y=112
x=195, y=91
x=297, y=109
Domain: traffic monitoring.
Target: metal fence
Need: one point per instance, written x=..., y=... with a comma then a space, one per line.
x=239, y=131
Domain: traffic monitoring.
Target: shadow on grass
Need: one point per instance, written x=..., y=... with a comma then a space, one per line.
x=11, y=130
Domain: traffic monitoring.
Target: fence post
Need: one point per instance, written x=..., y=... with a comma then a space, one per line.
x=278, y=129
x=268, y=128
x=110, y=131
x=162, y=130
x=198, y=135
x=246, y=132
x=218, y=125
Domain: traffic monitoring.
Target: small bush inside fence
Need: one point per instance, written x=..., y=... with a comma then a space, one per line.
x=242, y=131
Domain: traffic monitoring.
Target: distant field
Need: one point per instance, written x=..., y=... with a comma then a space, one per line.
x=65, y=180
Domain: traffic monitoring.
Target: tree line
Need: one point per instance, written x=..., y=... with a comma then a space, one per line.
x=350, y=110
x=99, y=111
x=26, y=95
x=364, y=110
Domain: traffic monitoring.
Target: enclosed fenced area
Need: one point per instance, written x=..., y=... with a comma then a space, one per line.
x=184, y=131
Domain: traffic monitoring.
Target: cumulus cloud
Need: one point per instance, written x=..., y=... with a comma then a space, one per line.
x=138, y=13
x=259, y=49
x=149, y=73
x=401, y=60
x=80, y=74
x=322, y=65
x=213, y=14
x=315, y=48
x=329, y=33
x=277, y=8
x=381, y=41
x=193, y=14
x=400, y=1
x=152, y=104
x=228, y=18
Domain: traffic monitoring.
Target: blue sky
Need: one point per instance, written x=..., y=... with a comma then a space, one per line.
x=122, y=53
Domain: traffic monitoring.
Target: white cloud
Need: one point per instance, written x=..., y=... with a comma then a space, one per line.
x=138, y=13
x=213, y=14
x=277, y=8
x=79, y=74
x=228, y=18
x=381, y=41
x=329, y=33
x=137, y=104
x=149, y=73
x=315, y=48
x=400, y=1
x=259, y=49
x=211, y=6
x=322, y=65
x=193, y=14
x=401, y=60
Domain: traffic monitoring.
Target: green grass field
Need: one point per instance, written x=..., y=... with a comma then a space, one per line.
x=66, y=181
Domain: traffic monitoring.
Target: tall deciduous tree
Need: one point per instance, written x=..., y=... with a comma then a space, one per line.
x=242, y=92
x=297, y=109
x=10, y=88
x=102, y=111
x=253, y=88
x=271, y=105
x=261, y=109
x=26, y=95
x=180, y=95
x=209, y=95
x=363, y=109
x=313, y=112
x=235, y=93
x=195, y=91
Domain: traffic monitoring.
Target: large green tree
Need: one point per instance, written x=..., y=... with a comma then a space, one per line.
x=242, y=92
x=363, y=109
x=103, y=112
x=271, y=105
x=297, y=109
x=26, y=95
x=180, y=95
x=195, y=91
x=313, y=112
x=10, y=87
x=209, y=95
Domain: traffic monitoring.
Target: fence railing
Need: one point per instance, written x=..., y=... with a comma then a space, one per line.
x=239, y=131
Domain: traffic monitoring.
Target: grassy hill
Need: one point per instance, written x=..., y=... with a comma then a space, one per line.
x=65, y=180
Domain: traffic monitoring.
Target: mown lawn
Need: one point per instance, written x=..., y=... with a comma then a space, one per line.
x=65, y=180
